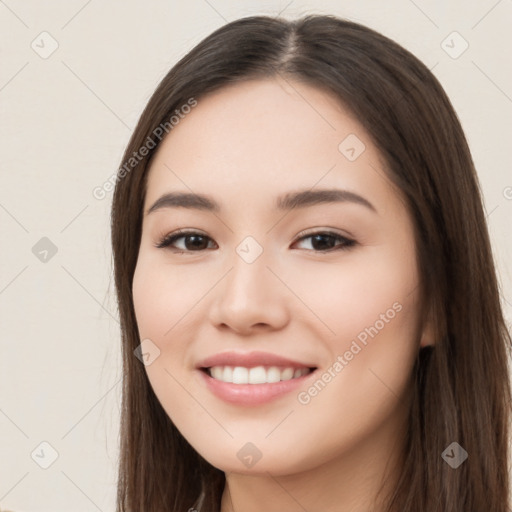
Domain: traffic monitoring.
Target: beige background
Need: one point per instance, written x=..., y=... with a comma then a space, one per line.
x=65, y=120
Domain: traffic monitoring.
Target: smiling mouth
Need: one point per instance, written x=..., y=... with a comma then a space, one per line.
x=256, y=374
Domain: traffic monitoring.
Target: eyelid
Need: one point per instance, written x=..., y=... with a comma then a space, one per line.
x=324, y=229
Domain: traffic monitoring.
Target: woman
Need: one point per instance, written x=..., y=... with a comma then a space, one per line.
x=265, y=370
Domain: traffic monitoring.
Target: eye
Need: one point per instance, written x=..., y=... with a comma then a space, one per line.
x=197, y=240
x=321, y=241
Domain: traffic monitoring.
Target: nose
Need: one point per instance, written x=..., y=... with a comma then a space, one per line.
x=250, y=298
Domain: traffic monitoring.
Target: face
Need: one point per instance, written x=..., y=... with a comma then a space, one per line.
x=309, y=303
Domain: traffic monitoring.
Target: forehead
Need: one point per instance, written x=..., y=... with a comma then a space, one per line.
x=262, y=138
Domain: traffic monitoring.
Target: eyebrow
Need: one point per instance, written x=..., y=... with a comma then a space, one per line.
x=299, y=199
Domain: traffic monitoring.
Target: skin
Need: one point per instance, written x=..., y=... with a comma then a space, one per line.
x=244, y=145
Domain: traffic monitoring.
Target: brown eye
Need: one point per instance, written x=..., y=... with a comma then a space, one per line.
x=325, y=241
x=193, y=241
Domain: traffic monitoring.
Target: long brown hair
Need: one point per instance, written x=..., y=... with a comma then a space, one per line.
x=462, y=391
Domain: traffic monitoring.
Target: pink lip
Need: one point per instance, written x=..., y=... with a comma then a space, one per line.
x=250, y=360
x=251, y=394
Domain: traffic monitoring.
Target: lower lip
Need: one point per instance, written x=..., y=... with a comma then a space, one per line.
x=252, y=394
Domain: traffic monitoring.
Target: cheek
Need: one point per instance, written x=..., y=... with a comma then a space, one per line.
x=369, y=315
x=373, y=312
x=363, y=386
x=149, y=298
x=345, y=297
x=370, y=368
x=164, y=297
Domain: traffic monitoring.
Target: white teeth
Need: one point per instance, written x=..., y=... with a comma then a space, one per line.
x=240, y=375
x=227, y=374
x=217, y=372
x=273, y=374
x=256, y=375
x=287, y=374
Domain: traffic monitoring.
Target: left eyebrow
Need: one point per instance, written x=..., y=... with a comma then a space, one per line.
x=304, y=198
x=288, y=201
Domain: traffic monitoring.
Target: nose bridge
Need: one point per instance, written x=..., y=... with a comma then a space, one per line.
x=247, y=297
x=249, y=268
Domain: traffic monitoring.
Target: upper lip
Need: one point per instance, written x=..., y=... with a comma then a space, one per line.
x=250, y=360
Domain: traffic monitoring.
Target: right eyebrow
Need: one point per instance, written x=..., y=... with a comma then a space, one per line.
x=185, y=200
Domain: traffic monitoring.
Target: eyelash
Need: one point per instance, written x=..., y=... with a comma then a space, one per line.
x=167, y=240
